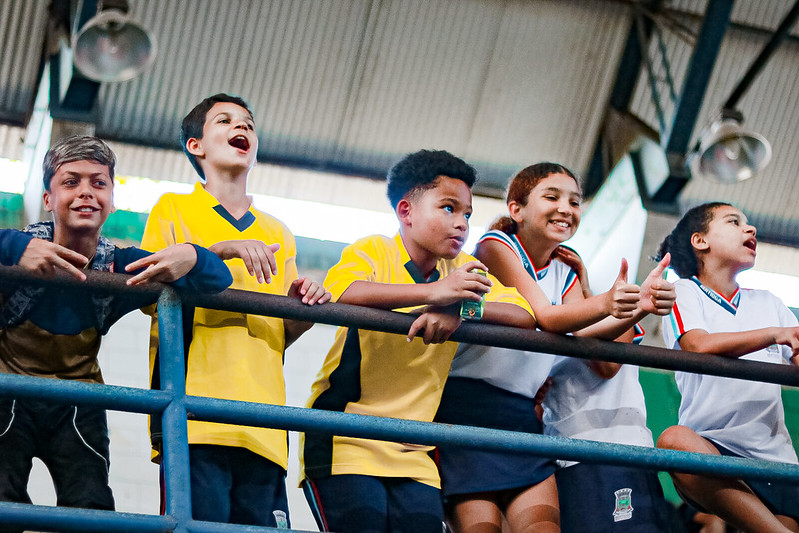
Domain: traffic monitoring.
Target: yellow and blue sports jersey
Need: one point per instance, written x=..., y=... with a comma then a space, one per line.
x=233, y=356
x=382, y=374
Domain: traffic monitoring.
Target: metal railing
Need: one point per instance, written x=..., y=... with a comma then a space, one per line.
x=175, y=406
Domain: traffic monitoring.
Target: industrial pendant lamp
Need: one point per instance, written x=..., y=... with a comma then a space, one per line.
x=730, y=154
x=111, y=46
x=726, y=151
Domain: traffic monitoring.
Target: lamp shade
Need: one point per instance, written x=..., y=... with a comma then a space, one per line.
x=730, y=154
x=111, y=47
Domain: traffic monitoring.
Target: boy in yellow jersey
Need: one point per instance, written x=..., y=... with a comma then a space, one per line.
x=358, y=485
x=237, y=472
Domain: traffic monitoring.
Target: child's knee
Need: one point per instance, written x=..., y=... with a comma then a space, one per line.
x=676, y=438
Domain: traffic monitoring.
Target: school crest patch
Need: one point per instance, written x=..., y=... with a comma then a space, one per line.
x=624, y=505
x=281, y=519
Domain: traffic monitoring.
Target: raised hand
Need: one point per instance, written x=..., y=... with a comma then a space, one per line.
x=623, y=297
x=461, y=284
x=165, y=266
x=572, y=259
x=308, y=291
x=436, y=325
x=43, y=258
x=657, y=294
x=258, y=257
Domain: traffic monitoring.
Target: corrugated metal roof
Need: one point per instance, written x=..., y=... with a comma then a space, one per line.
x=769, y=107
x=22, y=33
x=354, y=85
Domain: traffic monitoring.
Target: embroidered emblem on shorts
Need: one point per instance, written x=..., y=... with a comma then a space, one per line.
x=624, y=505
x=281, y=520
x=774, y=349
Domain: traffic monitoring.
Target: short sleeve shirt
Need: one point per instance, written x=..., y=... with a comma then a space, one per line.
x=746, y=417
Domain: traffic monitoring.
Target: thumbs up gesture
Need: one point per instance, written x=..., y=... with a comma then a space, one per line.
x=657, y=294
x=623, y=297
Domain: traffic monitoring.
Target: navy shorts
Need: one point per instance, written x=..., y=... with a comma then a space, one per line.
x=71, y=441
x=610, y=499
x=234, y=485
x=473, y=402
x=781, y=498
x=351, y=503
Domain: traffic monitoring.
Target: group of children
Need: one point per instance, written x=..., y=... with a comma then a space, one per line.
x=213, y=238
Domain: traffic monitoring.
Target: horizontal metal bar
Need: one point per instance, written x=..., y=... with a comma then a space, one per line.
x=399, y=430
x=45, y=518
x=502, y=336
x=114, y=397
x=470, y=332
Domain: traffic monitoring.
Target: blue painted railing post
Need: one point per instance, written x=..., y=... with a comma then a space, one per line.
x=175, y=454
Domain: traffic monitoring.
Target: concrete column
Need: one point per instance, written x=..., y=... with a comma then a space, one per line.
x=42, y=133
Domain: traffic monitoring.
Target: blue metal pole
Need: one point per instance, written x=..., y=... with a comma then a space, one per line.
x=45, y=518
x=175, y=453
x=127, y=399
x=399, y=430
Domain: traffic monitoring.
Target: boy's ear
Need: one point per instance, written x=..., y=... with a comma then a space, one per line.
x=698, y=242
x=404, y=212
x=47, y=201
x=194, y=147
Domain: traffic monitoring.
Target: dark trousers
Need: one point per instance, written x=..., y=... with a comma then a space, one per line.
x=234, y=485
x=366, y=504
x=71, y=441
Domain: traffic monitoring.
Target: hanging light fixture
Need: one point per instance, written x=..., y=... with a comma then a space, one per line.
x=726, y=151
x=729, y=153
x=111, y=46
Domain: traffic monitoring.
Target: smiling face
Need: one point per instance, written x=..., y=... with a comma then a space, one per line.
x=729, y=239
x=229, y=142
x=435, y=221
x=552, y=212
x=80, y=197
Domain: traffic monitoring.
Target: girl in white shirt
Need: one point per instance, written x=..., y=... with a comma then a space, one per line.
x=494, y=387
x=709, y=247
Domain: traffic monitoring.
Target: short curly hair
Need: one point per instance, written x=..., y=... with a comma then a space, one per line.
x=678, y=242
x=193, y=123
x=419, y=171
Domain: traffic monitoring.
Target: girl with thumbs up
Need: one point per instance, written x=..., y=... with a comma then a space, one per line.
x=496, y=387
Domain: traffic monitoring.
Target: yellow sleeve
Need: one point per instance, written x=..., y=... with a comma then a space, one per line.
x=357, y=263
x=159, y=232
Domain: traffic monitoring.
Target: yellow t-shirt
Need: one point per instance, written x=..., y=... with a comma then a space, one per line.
x=382, y=374
x=233, y=356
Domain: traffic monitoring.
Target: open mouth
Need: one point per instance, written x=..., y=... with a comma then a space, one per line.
x=85, y=209
x=240, y=142
x=561, y=224
x=751, y=244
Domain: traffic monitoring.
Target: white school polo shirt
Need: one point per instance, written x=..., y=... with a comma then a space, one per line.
x=516, y=371
x=746, y=417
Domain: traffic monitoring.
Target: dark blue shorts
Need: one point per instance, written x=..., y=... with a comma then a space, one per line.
x=610, y=499
x=473, y=402
x=234, y=485
x=781, y=498
x=72, y=441
x=366, y=504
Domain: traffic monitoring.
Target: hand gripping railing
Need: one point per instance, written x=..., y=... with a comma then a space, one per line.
x=175, y=405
